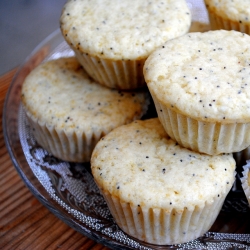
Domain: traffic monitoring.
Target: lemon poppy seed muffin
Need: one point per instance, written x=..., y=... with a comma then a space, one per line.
x=229, y=15
x=69, y=112
x=156, y=190
x=112, y=39
x=200, y=84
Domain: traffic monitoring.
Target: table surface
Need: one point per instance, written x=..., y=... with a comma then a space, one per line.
x=26, y=224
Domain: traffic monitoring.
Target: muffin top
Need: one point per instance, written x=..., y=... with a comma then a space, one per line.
x=141, y=165
x=128, y=29
x=205, y=76
x=236, y=10
x=60, y=94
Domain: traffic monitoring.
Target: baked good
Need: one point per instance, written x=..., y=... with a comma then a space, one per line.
x=200, y=86
x=229, y=15
x=68, y=112
x=112, y=39
x=156, y=190
x=245, y=180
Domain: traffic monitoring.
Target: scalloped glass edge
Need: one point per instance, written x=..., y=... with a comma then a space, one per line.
x=13, y=114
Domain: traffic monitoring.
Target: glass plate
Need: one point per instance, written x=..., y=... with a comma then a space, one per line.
x=68, y=190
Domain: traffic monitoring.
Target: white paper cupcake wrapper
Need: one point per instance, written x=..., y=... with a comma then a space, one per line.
x=70, y=146
x=218, y=22
x=244, y=180
x=205, y=137
x=162, y=227
x=119, y=74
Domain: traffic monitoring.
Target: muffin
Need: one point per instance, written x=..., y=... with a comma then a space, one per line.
x=156, y=190
x=68, y=112
x=245, y=180
x=112, y=39
x=229, y=15
x=200, y=84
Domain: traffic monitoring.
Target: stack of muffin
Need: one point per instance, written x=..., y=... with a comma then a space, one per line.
x=164, y=179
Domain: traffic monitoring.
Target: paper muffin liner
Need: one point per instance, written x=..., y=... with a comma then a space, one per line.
x=71, y=145
x=205, y=137
x=245, y=180
x=217, y=22
x=115, y=74
x=163, y=227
